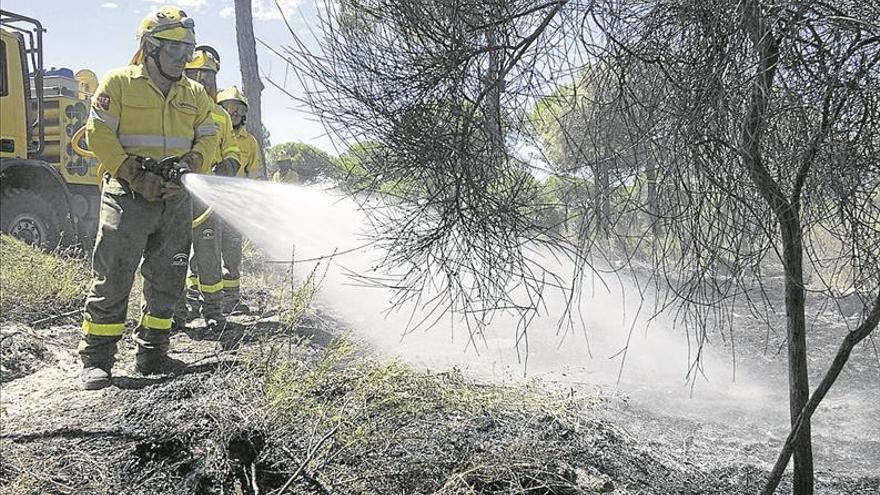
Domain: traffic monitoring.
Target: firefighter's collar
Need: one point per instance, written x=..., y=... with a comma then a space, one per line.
x=140, y=71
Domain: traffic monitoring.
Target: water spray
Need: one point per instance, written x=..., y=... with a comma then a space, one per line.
x=326, y=226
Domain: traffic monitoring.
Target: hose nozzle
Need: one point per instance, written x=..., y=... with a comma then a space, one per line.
x=168, y=168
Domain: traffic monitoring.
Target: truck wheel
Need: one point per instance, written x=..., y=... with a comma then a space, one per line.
x=28, y=216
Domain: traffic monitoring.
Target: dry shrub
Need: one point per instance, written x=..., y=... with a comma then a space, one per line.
x=347, y=422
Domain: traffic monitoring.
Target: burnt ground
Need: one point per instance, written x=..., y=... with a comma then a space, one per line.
x=748, y=422
x=222, y=427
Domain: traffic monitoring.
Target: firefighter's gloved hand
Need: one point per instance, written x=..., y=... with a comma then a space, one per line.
x=146, y=184
x=227, y=168
x=191, y=160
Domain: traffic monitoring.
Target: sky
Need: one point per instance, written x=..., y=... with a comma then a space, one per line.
x=100, y=35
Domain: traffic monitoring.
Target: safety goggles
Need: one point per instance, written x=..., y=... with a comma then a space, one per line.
x=200, y=75
x=234, y=106
x=186, y=22
x=176, y=48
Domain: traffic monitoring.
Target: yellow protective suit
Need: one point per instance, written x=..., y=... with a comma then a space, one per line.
x=131, y=117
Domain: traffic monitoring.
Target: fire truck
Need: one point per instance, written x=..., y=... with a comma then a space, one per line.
x=49, y=193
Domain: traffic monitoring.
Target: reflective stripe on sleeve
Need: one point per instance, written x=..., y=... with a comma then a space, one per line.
x=218, y=117
x=153, y=141
x=102, y=116
x=103, y=329
x=206, y=130
x=231, y=283
x=154, y=323
x=192, y=282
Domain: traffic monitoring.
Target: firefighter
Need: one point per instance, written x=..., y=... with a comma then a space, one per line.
x=205, y=282
x=234, y=101
x=142, y=113
x=285, y=173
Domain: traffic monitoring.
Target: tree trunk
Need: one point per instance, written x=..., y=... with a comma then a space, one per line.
x=830, y=377
x=766, y=48
x=250, y=71
x=653, y=206
x=798, y=381
x=494, y=86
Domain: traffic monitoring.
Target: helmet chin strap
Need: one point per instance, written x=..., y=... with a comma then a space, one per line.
x=154, y=54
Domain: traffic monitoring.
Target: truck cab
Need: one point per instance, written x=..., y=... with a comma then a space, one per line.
x=49, y=194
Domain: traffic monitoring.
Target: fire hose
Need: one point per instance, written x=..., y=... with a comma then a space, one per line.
x=165, y=168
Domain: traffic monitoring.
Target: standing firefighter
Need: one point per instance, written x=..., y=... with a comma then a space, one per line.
x=141, y=114
x=206, y=279
x=234, y=101
x=285, y=173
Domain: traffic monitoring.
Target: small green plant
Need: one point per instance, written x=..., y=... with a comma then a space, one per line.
x=34, y=283
x=250, y=253
x=299, y=300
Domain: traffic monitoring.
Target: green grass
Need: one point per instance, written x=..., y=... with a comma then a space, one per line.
x=34, y=283
x=297, y=301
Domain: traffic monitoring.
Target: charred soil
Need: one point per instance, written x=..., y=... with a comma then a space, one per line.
x=265, y=409
x=283, y=402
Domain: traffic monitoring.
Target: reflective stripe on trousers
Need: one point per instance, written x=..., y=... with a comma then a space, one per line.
x=194, y=283
x=103, y=329
x=155, y=323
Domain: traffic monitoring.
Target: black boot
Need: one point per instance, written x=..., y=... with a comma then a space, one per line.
x=95, y=377
x=158, y=364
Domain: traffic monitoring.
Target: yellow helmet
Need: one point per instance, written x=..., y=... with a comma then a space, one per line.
x=205, y=58
x=167, y=23
x=231, y=94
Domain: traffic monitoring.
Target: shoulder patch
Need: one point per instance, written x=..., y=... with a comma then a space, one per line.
x=103, y=101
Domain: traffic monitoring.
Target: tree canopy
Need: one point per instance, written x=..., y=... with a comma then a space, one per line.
x=707, y=140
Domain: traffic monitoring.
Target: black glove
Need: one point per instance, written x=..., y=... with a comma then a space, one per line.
x=191, y=160
x=147, y=184
x=227, y=168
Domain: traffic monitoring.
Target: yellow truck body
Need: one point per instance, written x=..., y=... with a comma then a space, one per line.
x=49, y=194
